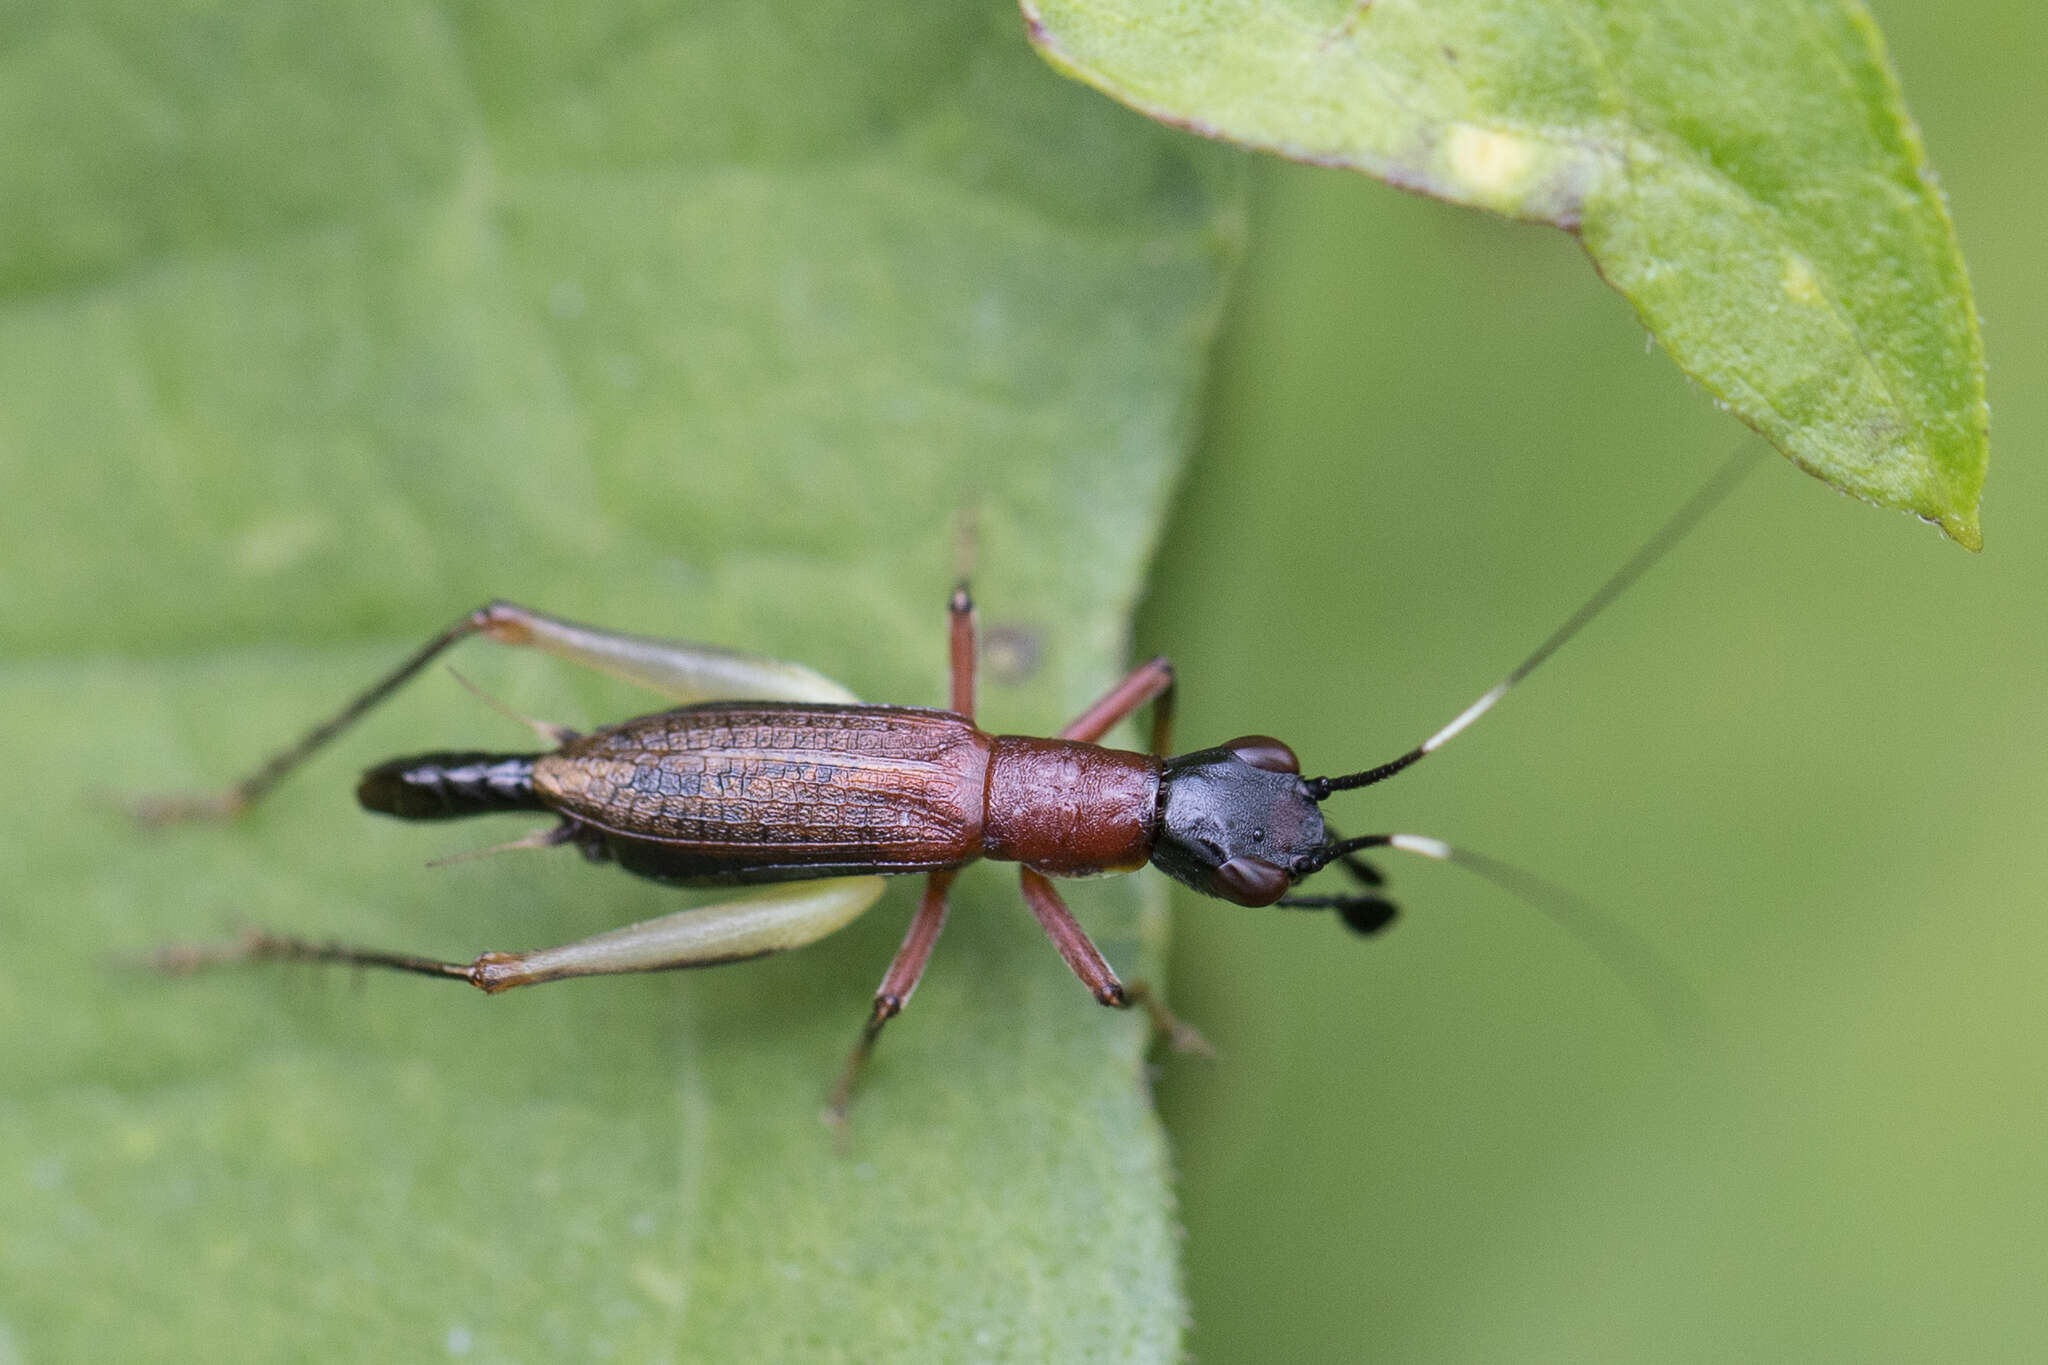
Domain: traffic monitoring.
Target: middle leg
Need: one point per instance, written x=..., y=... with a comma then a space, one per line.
x=907, y=968
x=1151, y=681
x=960, y=648
x=1085, y=960
x=898, y=985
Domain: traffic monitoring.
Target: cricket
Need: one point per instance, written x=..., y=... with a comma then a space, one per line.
x=768, y=774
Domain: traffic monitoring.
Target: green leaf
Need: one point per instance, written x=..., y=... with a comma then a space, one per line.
x=320, y=325
x=1745, y=173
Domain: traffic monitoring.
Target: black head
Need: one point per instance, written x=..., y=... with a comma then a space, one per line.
x=1238, y=822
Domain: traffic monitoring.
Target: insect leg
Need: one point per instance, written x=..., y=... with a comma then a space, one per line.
x=960, y=645
x=1086, y=962
x=164, y=810
x=1151, y=681
x=782, y=917
x=680, y=671
x=898, y=984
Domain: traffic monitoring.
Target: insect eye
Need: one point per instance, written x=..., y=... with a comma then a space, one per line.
x=1264, y=751
x=1250, y=881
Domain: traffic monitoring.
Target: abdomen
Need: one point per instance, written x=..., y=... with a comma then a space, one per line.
x=760, y=791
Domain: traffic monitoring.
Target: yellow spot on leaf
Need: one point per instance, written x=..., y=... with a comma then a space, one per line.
x=1799, y=282
x=1492, y=165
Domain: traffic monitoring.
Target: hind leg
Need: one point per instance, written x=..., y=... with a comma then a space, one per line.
x=771, y=921
x=678, y=670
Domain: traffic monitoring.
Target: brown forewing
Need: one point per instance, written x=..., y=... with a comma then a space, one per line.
x=875, y=786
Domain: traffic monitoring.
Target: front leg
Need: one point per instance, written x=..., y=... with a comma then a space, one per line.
x=1150, y=681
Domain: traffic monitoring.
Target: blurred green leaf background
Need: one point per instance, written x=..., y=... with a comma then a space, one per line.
x=1805, y=758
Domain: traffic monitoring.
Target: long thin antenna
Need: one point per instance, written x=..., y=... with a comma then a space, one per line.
x=1661, y=987
x=1655, y=548
x=557, y=735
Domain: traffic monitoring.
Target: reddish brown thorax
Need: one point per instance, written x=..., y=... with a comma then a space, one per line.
x=1070, y=809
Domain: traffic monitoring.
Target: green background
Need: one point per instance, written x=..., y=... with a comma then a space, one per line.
x=1805, y=758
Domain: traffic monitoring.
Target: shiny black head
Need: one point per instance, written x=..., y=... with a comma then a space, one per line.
x=1238, y=822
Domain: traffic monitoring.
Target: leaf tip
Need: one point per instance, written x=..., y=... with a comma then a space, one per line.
x=1963, y=528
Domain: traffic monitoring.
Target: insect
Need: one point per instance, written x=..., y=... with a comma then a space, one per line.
x=768, y=774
